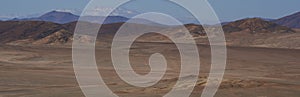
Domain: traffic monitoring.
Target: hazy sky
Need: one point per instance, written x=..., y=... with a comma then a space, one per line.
x=227, y=10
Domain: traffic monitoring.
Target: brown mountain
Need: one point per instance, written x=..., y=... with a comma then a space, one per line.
x=254, y=32
x=292, y=21
x=39, y=32
x=255, y=25
x=257, y=32
x=246, y=32
x=30, y=30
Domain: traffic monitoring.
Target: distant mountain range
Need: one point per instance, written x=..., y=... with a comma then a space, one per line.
x=101, y=11
x=56, y=28
x=97, y=11
x=119, y=15
x=67, y=17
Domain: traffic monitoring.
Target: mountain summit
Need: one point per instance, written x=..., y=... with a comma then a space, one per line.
x=59, y=17
x=292, y=21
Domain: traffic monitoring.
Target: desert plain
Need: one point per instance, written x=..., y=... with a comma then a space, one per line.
x=42, y=71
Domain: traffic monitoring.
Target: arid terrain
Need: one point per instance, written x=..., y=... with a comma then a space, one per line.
x=48, y=72
x=36, y=56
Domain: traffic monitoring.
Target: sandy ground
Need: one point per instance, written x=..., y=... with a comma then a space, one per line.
x=48, y=72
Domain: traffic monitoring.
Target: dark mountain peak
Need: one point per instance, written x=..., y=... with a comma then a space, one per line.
x=255, y=25
x=292, y=21
x=54, y=12
x=58, y=17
